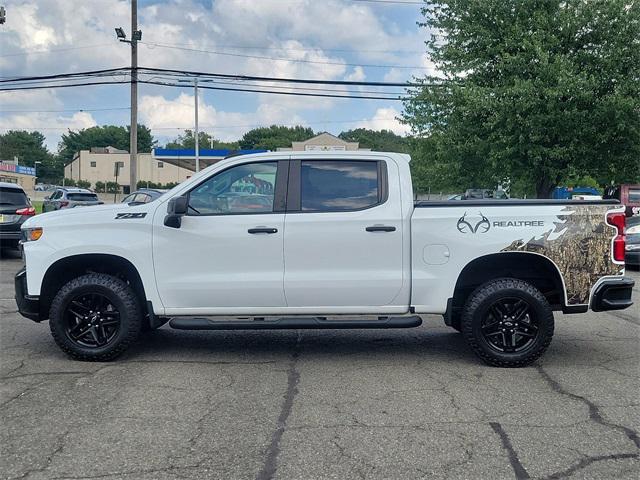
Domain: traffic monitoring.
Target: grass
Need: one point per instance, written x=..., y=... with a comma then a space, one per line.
x=37, y=204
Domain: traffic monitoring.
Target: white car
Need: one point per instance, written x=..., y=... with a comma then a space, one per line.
x=289, y=239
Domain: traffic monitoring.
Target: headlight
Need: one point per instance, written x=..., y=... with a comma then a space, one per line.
x=632, y=230
x=31, y=234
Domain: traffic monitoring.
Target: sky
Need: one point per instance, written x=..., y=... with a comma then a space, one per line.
x=319, y=39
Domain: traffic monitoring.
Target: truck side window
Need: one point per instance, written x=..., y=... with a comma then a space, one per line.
x=247, y=188
x=338, y=185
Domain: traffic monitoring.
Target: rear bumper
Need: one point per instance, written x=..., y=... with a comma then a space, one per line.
x=28, y=305
x=10, y=234
x=632, y=258
x=613, y=295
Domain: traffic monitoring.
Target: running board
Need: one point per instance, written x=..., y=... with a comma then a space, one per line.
x=293, y=323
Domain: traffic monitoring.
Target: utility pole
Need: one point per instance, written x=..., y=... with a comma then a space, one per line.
x=195, y=88
x=133, y=139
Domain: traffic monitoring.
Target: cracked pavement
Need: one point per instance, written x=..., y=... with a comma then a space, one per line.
x=370, y=404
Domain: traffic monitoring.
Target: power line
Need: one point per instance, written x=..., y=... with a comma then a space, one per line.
x=40, y=87
x=191, y=73
x=120, y=70
x=302, y=94
x=295, y=60
x=289, y=49
x=38, y=52
x=394, y=2
x=2, y=110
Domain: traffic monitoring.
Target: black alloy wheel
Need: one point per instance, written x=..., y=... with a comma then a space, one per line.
x=510, y=325
x=507, y=322
x=91, y=320
x=95, y=317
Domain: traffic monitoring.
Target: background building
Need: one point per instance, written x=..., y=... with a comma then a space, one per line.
x=98, y=165
x=13, y=173
x=323, y=141
x=186, y=157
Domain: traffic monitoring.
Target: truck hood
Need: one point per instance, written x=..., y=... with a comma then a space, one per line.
x=104, y=213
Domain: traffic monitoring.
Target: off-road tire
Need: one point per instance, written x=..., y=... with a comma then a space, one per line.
x=476, y=307
x=119, y=293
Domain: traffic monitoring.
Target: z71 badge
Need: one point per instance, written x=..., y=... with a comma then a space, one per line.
x=122, y=216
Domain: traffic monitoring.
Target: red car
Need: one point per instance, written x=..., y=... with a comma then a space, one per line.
x=628, y=195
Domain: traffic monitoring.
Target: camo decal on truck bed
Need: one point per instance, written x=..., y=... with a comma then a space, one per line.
x=579, y=245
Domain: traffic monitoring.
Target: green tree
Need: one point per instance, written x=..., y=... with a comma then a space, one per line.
x=533, y=91
x=102, y=136
x=187, y=140
x=380, y=141
x=29, y=148
x=273, y=137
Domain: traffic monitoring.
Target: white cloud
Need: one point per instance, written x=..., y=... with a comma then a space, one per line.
x=168, y=118
x=385, y=119
x=29, y=111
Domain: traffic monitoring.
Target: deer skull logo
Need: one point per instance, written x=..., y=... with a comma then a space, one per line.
x=482, y=226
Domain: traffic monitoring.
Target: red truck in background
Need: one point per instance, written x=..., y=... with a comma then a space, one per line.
x=628, y=195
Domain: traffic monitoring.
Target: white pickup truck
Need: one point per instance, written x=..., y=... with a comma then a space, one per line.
x=323, y=240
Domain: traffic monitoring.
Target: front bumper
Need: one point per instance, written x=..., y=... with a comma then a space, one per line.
x=28, y=305
x=613, y=295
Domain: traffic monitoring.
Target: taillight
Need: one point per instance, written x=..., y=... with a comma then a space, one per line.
x=64, y=203
x=618, y=220
x=26, y=211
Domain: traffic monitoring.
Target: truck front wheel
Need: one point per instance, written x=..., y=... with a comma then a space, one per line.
x=95, y=317
x=508, y=323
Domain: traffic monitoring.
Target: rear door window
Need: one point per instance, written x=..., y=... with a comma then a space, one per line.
x=330, y=186
x=12, y=196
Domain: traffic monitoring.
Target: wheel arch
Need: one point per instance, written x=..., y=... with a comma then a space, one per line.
x=531, y=267
x=65, y=269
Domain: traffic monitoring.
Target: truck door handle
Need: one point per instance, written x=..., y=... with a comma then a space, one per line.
x=262, y=230
x=380, y=228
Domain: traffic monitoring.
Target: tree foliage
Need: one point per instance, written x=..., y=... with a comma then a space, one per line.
x=273, y=137
x=188, y=140
x=380, y=141
x=29, y=148
x=536, y=91
x=102, y=136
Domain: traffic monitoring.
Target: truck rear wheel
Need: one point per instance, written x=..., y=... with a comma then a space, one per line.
x=508, y=323
x=95, y=317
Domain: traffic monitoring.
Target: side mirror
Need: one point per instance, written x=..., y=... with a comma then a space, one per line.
x=176, y=209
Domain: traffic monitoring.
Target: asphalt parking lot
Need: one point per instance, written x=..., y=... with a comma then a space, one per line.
x=390, y=404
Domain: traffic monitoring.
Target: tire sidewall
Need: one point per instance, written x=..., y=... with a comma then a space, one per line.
x=477, y=309
x=85, y=285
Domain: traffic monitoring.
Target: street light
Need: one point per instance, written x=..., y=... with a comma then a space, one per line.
x=122, y=35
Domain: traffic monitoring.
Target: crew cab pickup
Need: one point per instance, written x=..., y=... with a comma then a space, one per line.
x=324, y=240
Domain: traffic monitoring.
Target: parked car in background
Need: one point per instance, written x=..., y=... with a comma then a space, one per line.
x=459, y=196
x=482, y=193
x=69, y=197
x=15, y=208
x=632, y=249
x=567, y=193
x=144, y=195
x=627, y=194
